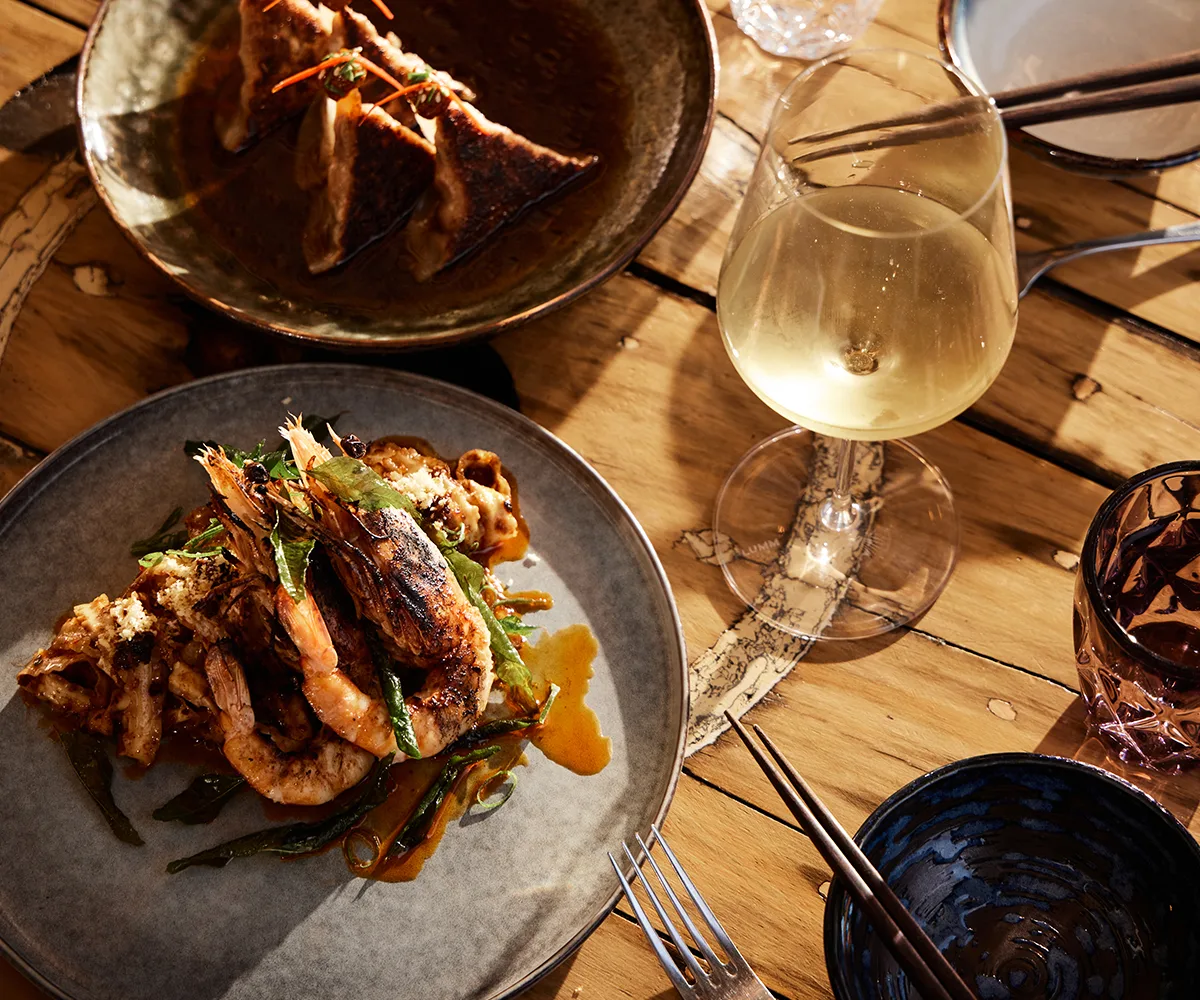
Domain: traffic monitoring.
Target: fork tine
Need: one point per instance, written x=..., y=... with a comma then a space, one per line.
x=710, y=918
x=684, y=951
x=660, y=949
x=700, y=939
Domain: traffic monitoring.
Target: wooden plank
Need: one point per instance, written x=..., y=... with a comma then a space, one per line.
x=15, y=461
x=100, y=317
x=31, y=43
x=861, y=723
x=579, y=374
x=78, y=12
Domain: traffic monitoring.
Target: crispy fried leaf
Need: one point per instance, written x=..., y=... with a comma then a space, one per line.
x=297, y=838
x=164, y=538
x=291, y=559
x=510, y=668
x=91, y=763
x=352, y=480
x=414, y=831
x=202, y=800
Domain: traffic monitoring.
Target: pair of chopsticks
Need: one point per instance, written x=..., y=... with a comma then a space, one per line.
x=1158, y=83
x=912, y=948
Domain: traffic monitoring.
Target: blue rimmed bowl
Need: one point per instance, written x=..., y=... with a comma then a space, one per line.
x=1040, y=878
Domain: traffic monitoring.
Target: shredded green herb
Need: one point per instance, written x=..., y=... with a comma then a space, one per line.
x=95, y=771
x=202, y=800
x=297, y=838
x=502, y=795
x=192, y=549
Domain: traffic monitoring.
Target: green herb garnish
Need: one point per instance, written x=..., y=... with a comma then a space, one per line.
x=192, y=549
x=419, y=76
x=510, y=668
x=278, y=463
x=202, y=800
x=417, y=827
x=507, y=787
x=393, y=696
x=500, y=727
x=95, y=771
x=513, y=625
x=164, y=538
x=291, y=553
x=297, y=838
x=354, y=481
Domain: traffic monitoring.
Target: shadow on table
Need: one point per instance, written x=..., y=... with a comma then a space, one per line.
x=1069, y=737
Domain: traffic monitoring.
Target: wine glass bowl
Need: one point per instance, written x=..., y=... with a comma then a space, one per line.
x=868, y=292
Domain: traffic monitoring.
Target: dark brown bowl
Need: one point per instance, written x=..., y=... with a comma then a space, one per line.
x=136, y=84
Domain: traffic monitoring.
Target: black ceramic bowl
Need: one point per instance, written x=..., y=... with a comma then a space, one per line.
x=1040, y=878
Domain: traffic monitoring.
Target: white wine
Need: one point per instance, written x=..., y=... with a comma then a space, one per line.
x=867, y=312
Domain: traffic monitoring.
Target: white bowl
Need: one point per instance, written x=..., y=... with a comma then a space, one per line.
x=1015, y=43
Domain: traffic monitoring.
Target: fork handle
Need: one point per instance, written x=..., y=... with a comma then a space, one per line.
x=1034, y=264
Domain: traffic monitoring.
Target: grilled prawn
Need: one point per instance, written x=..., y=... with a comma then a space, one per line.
x=400, y=582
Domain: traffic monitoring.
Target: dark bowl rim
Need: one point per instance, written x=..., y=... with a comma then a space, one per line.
x=1071, y=159
x=360, y=343
x=837, y=898
x=13, y=504
x=1087, y=570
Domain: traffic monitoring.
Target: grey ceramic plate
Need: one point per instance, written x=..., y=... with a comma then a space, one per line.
x=660, y=53
x=504, y=898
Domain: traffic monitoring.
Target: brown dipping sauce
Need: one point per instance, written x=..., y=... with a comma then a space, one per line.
x=544, y=68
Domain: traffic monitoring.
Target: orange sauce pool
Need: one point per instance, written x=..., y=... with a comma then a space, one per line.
x=570, y=737
x=571, y=734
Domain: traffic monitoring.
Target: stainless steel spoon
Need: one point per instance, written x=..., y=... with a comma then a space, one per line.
x=1031, y=264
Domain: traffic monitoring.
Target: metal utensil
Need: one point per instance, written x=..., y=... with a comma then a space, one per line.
x=731, y=979
x=1032, y=264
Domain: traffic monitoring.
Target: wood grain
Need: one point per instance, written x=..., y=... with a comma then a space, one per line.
x=635, y=377
x=78, y=12
x=31, y=43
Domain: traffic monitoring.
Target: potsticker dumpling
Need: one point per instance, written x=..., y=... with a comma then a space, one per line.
x=276, y=43
x=353, y=30
x=486, y=175
x=366, y=171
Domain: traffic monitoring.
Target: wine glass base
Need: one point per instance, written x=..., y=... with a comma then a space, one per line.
x=835, y=577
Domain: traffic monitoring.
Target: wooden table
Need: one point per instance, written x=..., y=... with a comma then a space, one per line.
x=1102, y=383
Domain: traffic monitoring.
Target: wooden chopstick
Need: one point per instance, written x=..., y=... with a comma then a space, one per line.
x=1172, y=67
x=1184, y=64
x=912, y=948
x=1160, y=83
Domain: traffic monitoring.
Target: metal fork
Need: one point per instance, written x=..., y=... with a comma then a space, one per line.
x=732, y=979
x=1032, y=264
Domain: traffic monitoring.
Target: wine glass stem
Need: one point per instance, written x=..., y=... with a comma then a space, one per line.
x=839, y=511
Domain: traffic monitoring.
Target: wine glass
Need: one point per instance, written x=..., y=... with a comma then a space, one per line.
x=868, y=291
